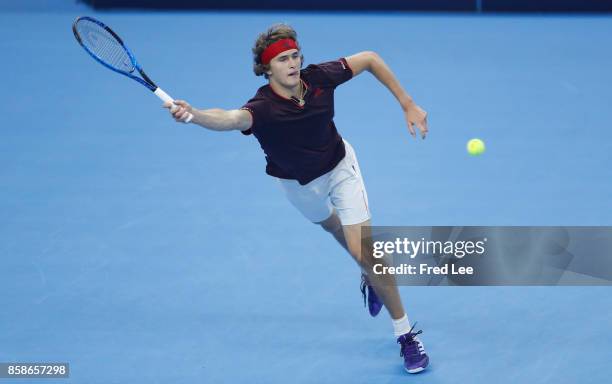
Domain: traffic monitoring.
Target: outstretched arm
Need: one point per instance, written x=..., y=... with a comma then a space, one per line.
x=373, y=63
x=214, y=119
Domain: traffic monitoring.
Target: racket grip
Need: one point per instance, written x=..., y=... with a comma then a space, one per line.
x=166, y=98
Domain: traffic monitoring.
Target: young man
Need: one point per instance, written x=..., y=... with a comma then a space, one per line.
x=292, y=118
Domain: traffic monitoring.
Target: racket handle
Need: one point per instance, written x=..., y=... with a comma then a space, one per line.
x=166, y=98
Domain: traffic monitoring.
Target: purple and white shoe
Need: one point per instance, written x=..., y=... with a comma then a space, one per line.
x=413, y=352
x=374, y=303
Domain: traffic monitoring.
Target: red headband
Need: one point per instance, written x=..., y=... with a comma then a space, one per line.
x=275, y=48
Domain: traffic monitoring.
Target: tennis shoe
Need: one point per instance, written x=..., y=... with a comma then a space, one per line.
x=413, y=352
x=373, y=301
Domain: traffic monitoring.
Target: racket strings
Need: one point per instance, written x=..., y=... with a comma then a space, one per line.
x=104, y=45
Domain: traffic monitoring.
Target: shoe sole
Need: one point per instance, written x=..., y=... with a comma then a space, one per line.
x=415, y=370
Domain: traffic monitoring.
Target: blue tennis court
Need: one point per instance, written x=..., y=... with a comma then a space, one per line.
x=140, y=250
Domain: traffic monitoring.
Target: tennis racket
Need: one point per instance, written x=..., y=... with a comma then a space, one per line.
x=107, y=48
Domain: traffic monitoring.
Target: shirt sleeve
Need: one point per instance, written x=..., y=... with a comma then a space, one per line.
x=257, y=108
x=331, y=73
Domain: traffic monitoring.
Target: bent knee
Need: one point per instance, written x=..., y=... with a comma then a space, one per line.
x=331, y=224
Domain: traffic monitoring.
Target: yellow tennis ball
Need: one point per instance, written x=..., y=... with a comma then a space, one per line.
x=475, y=147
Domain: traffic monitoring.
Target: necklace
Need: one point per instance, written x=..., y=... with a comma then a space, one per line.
x=300, y=99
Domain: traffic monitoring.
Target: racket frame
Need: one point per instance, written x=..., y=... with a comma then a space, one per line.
x=145, y=80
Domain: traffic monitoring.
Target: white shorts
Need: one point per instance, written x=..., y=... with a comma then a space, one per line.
x=341, y=188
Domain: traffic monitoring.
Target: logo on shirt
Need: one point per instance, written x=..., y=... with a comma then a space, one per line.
x=318, y=92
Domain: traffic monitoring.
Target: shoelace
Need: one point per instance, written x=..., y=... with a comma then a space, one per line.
x=363, y=288
x=410, y=346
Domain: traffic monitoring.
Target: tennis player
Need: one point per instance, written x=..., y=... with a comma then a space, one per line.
x=292, y=118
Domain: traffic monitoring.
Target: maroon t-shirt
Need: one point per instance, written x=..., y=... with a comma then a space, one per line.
x=300, y=143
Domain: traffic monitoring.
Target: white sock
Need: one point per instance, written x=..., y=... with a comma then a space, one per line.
x=401, y=326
